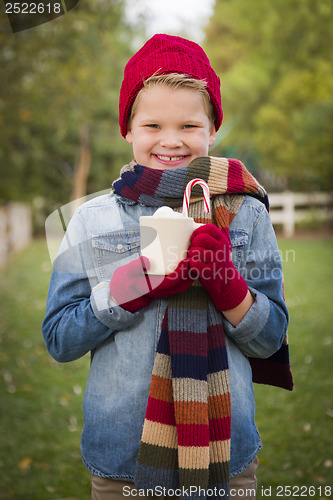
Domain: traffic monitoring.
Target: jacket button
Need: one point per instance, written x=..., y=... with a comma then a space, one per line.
x=120, y=246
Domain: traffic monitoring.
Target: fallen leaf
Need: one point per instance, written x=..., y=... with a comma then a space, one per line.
x=64, y=400
x=39, y=350
x=77, y=390
x=43, y=464
x=25, y=463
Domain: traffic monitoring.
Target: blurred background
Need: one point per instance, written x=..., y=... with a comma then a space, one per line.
x=60, y=141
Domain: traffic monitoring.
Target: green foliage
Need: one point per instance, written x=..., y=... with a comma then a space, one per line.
x=41, y=400
x=59, y=77
x=275, y=61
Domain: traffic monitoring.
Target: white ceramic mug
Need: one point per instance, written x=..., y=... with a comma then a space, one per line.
x=165, y=239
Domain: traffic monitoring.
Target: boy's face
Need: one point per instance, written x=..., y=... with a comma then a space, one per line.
x=170, y=127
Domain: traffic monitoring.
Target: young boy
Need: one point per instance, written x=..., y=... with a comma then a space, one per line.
x=169, y=401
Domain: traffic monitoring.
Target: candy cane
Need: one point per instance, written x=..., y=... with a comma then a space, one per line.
x=187, y=194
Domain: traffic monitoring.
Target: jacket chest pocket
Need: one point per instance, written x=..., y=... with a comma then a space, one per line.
x=115, y=249
x=239, y=243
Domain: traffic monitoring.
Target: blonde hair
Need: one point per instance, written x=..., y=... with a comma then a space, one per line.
x=176, y=81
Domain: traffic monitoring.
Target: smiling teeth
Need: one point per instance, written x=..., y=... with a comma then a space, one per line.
x=170, y=158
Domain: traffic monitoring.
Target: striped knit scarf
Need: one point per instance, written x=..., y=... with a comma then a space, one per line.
x=186, y=435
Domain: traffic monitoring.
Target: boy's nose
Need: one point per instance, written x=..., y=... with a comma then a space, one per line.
x=171, y=140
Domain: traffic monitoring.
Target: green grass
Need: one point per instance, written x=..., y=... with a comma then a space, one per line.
x=41, y=400
x=297, y=427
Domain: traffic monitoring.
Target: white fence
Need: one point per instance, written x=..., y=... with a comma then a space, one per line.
x=288, y=208
x=15, y=229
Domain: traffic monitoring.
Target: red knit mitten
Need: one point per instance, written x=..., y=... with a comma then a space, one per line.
x=173, y=283
x=129, y=285
x=210, y=258
x=132, y=289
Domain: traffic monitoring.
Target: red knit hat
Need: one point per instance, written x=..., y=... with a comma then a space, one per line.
x=167, y=54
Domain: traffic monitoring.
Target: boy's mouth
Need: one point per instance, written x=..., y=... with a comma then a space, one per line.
x=171, y=158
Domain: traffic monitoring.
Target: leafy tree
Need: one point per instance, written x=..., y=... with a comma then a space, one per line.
x=59, y=102
x=275, y=62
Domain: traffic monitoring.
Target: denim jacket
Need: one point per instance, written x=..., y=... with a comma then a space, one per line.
x=81, y=317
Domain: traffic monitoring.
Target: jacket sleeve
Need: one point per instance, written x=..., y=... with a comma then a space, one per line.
x=80, y=314
x=262, y=330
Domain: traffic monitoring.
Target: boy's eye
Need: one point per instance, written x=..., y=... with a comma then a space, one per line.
x=152, y=125
x=189, y=126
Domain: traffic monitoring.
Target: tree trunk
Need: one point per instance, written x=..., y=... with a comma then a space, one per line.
x=82, y=167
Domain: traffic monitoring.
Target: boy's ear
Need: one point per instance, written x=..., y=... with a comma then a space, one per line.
x=129, y=137
x=212, y=135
